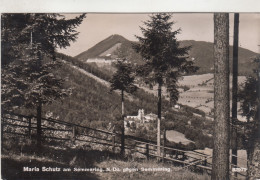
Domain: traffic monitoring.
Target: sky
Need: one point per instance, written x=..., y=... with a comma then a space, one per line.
x=194, y=26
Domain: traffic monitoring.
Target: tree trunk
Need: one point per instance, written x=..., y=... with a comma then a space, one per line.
x=220, y=167
x=234, y=91
x=159, y=102
x=164, y=142
x=123, y=126
x=39, y=128
x=53, y=51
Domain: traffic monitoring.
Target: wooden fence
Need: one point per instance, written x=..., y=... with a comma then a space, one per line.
x=56, y=130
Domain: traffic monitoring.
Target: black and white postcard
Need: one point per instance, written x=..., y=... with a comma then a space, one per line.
x=130, y=95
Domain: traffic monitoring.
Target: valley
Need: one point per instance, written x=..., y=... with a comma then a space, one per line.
x=177, y=119
x=196, y=90
x=199, y=92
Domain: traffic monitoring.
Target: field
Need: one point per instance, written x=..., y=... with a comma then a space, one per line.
x=201, y=92
x=175, y=136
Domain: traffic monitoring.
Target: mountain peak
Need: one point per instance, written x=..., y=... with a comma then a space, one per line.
x=201, y=52
x=116, y=36
x=103, y=47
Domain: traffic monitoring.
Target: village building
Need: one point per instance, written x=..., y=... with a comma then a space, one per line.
x=177, y=106
x=141, y=118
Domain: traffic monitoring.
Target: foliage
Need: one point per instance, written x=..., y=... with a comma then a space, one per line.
x=89, y=67
x=28, y=57
x=91, y=104
x=249, y=98
x=93, y=113
x=249, y=93
x=164, y=59
x=123, y=79
x=184, y=87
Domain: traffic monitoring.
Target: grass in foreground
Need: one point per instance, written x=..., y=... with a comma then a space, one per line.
x=147, y=170
x=15, y=158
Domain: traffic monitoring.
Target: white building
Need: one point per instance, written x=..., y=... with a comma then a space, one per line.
x=177, y=106
x=140, y=118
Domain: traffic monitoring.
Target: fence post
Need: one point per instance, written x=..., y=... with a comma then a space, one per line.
x=176, y=154
x=30, y=127
x=164, y=141
x=2, y=132
x=73, y=134
x=147, y=151
x=39, y=126
x=183, y=156
x=205, y=161
x=122, y=141
x=113, y=142
x=205, y=164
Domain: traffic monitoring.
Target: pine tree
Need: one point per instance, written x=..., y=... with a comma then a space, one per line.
x=249, y=97
x=123, y=80
x=28, y=59
x=11, y=51
x=164, y=60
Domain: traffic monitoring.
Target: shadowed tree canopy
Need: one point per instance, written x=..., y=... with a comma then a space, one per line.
x=247, y=95
x=250, y=105
x=123, y=79
x=28, y=57
x=164, y=59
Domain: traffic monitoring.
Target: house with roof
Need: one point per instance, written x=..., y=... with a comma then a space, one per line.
x=140, y=118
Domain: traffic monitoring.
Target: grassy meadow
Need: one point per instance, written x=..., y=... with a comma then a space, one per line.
x=69, y=162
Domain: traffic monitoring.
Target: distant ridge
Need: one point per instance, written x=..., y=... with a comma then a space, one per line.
x=201, y=53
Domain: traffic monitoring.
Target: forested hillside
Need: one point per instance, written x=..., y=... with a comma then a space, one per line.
x=92, y=104
x=201, y=53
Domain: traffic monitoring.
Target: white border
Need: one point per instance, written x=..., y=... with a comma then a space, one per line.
x=129, y=6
